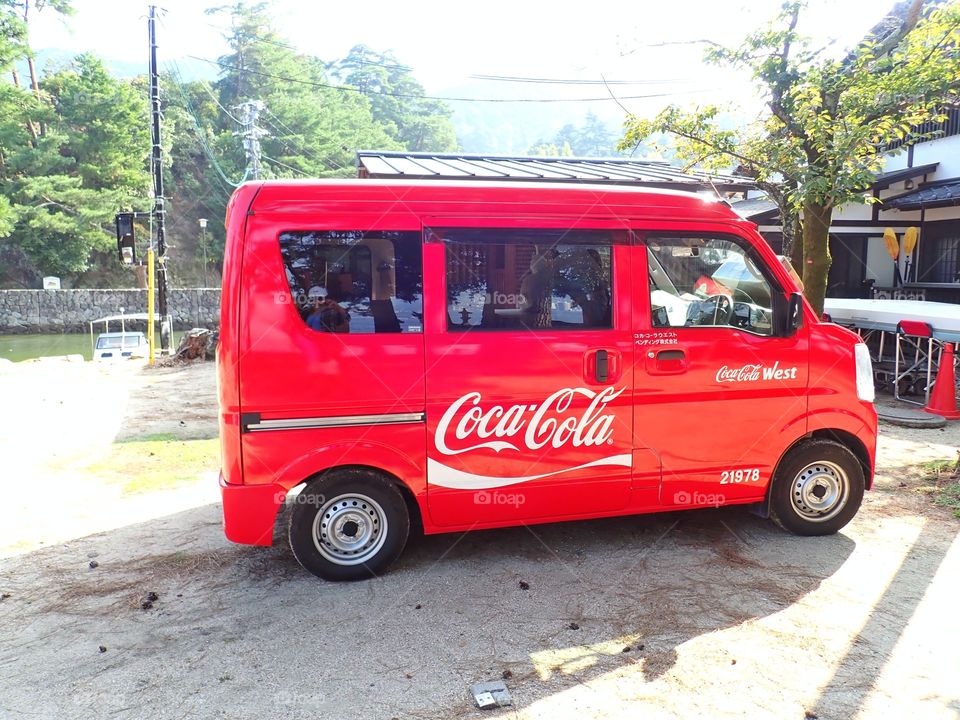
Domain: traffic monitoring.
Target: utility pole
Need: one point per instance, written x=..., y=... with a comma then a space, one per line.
x=159, y=209
x=203, y=246
x=251, y=134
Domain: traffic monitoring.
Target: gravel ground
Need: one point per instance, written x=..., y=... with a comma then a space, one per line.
x=708, y=613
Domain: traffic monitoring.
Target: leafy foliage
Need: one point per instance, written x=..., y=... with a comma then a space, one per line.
x=592, y=138
x=828, y=121
x=75, y=151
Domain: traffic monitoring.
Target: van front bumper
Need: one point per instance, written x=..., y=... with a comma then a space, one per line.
x=250, y=511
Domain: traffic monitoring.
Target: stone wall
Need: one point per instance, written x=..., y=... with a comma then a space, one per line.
x=47, y=311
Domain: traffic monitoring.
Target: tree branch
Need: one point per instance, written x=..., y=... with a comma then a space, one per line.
x=726, y=151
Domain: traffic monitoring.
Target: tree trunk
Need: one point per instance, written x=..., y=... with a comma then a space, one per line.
x=816, y=252
x=796, y=248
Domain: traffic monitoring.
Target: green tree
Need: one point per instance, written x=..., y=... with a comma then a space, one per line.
x=314, y=127
x=70, y=153
x=595, y=138
x=65, y=185
x=397, y=101
x=827, y=121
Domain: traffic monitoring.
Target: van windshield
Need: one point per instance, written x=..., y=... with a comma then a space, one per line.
x=707, y=281
x=113, y=342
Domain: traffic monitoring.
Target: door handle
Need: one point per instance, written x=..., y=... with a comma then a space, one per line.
x=670, y=356
x=668, y=361
x=603, y=366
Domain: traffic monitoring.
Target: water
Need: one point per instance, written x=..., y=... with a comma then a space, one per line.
x=27, y=347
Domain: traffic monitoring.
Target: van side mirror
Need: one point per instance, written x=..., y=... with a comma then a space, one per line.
x=794, y=313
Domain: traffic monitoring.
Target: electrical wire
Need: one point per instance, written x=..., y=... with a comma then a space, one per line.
x=277, y=124
x=217, y=102
x=200, y=132
x=570, y=81
x=478, y=76
x=283, y=164
x=346, y=88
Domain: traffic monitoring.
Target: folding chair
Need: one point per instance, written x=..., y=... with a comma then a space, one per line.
x=911, y=335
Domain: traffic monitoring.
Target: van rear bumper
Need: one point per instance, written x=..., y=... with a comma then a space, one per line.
x=250, y=511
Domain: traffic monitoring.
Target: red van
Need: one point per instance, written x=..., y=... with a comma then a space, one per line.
x=459, y=356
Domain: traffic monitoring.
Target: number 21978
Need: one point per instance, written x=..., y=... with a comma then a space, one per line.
x=745, y=475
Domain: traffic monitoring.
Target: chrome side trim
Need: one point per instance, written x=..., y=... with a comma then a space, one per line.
x=335, y=422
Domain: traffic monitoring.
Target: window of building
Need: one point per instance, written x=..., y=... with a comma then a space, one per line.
x=939, y=250
x=703, y=281
x=350, y=281
x=529, y=279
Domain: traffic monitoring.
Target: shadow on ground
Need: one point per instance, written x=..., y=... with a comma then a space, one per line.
x=245, y=628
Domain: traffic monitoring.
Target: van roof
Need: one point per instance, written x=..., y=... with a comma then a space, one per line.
x=453, y=196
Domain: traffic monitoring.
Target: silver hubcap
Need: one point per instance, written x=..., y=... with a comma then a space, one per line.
x=819, y=491
x=349, y=529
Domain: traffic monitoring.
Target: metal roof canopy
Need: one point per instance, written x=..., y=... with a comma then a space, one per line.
x=398, y=165
x=943, y=193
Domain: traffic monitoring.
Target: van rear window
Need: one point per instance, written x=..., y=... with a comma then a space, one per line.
x=351, y=281
x=528, y=279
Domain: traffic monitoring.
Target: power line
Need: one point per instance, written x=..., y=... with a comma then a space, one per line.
x=479, y=76
x=569, y=81
x=278, y=124
x=344, y=88
x=200, y=132
x=217, y=102
x=283, y=164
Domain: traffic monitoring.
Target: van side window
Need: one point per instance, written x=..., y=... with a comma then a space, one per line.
x=703, y=281
x=351, y=281
x=522, y=279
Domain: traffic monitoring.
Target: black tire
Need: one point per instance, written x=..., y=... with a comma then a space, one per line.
x=817, y=489
x=348, y=525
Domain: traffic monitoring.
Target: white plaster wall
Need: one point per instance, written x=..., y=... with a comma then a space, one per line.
x=946, y=151
x=879, y=264
x=853, y=211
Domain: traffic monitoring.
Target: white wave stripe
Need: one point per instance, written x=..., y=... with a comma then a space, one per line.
x=448, y=477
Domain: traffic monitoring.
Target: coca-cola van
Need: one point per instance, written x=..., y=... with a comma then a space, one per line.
x=458, y=356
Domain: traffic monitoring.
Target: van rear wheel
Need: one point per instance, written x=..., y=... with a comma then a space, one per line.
x=817, y=489
x=348, y=525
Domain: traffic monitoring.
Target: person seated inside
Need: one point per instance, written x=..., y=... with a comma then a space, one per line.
x=325, y=315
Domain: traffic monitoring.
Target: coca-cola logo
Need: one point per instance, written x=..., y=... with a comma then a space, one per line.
x=754, y=372
x=738, y=374
x=470, y=425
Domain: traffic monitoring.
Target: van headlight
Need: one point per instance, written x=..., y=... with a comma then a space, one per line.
x=865, y=390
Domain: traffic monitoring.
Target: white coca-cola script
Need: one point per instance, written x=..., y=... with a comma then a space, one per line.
x=550, y=423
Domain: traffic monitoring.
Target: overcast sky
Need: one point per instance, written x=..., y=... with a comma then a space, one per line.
x=645, y=43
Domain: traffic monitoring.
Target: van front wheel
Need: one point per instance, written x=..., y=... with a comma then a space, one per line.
x=348, y=525
x=818, y=488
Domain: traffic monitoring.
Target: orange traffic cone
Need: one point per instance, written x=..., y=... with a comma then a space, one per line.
x=943, y=399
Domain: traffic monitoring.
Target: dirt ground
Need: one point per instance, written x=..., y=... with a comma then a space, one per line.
x=714, y=613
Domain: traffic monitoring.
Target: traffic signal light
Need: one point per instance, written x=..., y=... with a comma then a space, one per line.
x=126, y=240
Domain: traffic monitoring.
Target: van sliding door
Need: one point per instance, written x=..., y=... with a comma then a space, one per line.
x=529, y=370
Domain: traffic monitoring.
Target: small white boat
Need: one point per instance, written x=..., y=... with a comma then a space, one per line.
x=884, y=315
x=120, y=346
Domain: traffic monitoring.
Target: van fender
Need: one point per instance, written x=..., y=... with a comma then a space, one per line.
x=836, y=419
x=378, y=456
x=847, y=428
